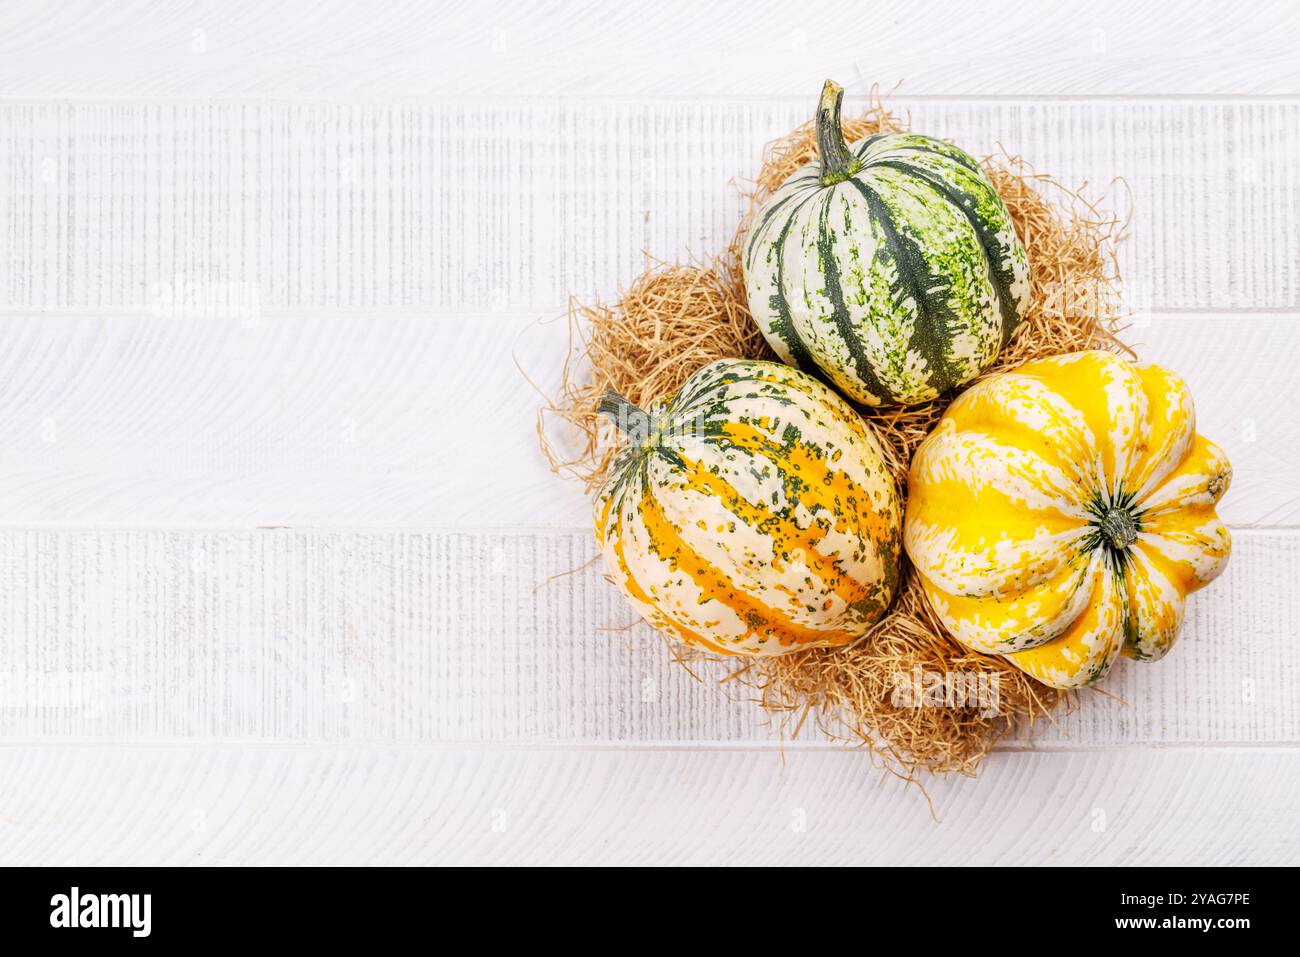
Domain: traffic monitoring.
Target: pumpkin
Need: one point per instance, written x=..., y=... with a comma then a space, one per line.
x=1061, y=512
x=890, y=269
x=751, y=513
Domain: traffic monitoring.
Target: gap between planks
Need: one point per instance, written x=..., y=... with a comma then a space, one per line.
x=631, y=747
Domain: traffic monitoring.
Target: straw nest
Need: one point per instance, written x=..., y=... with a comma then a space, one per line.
x=676, y=318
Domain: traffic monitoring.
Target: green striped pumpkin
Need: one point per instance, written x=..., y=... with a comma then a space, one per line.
x=890, y=268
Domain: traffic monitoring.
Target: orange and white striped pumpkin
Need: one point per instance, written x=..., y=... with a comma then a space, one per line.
x=752, y=513
x=1061, y=512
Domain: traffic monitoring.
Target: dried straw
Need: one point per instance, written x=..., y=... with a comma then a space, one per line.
x=673, y=320
x=676, y=318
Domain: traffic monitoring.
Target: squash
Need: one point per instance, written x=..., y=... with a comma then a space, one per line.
x=1061, y=512
x=752, y=513
x=889, y=269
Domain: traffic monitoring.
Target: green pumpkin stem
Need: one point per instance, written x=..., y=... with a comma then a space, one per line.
x=1119, y=528
x=838, y=164
x=630, y=420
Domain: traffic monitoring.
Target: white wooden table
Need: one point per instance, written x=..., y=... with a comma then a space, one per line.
x=272, y=518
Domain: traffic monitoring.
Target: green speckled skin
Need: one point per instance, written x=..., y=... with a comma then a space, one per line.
x=899, y=283
x=752, y=513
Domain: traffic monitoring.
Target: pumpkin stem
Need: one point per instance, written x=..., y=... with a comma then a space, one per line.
x=838, y=164
x=630, y=420
x=1120, y=529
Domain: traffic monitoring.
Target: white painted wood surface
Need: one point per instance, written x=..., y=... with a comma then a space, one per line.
x=168, y=207
x=275, y=538
x=335, y=49
x=262, y=804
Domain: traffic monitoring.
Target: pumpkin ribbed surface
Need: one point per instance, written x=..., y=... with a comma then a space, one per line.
x=1061, y=512
x=752, y=513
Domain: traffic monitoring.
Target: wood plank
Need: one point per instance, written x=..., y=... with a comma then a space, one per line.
x=311, y=636
x=379, y=421
x=398, y=50
x=231, y=209
x=1236, y=367
x=224, y=804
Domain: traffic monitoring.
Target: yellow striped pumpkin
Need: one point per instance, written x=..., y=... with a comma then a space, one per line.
x=1061, y=512
x=752, y=513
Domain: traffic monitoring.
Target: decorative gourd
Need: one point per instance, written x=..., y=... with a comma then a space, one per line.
x=752, y=513
x=889, y=269
x=1061, y=512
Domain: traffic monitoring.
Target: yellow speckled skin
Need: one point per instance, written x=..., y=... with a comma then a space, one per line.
x=1061, y=512
x=756, y=516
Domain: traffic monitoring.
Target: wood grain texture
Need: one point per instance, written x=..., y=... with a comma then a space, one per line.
x=419, y=637
x=644, y=48
x=373, y=420
x=203, y=804
x=220, y=209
